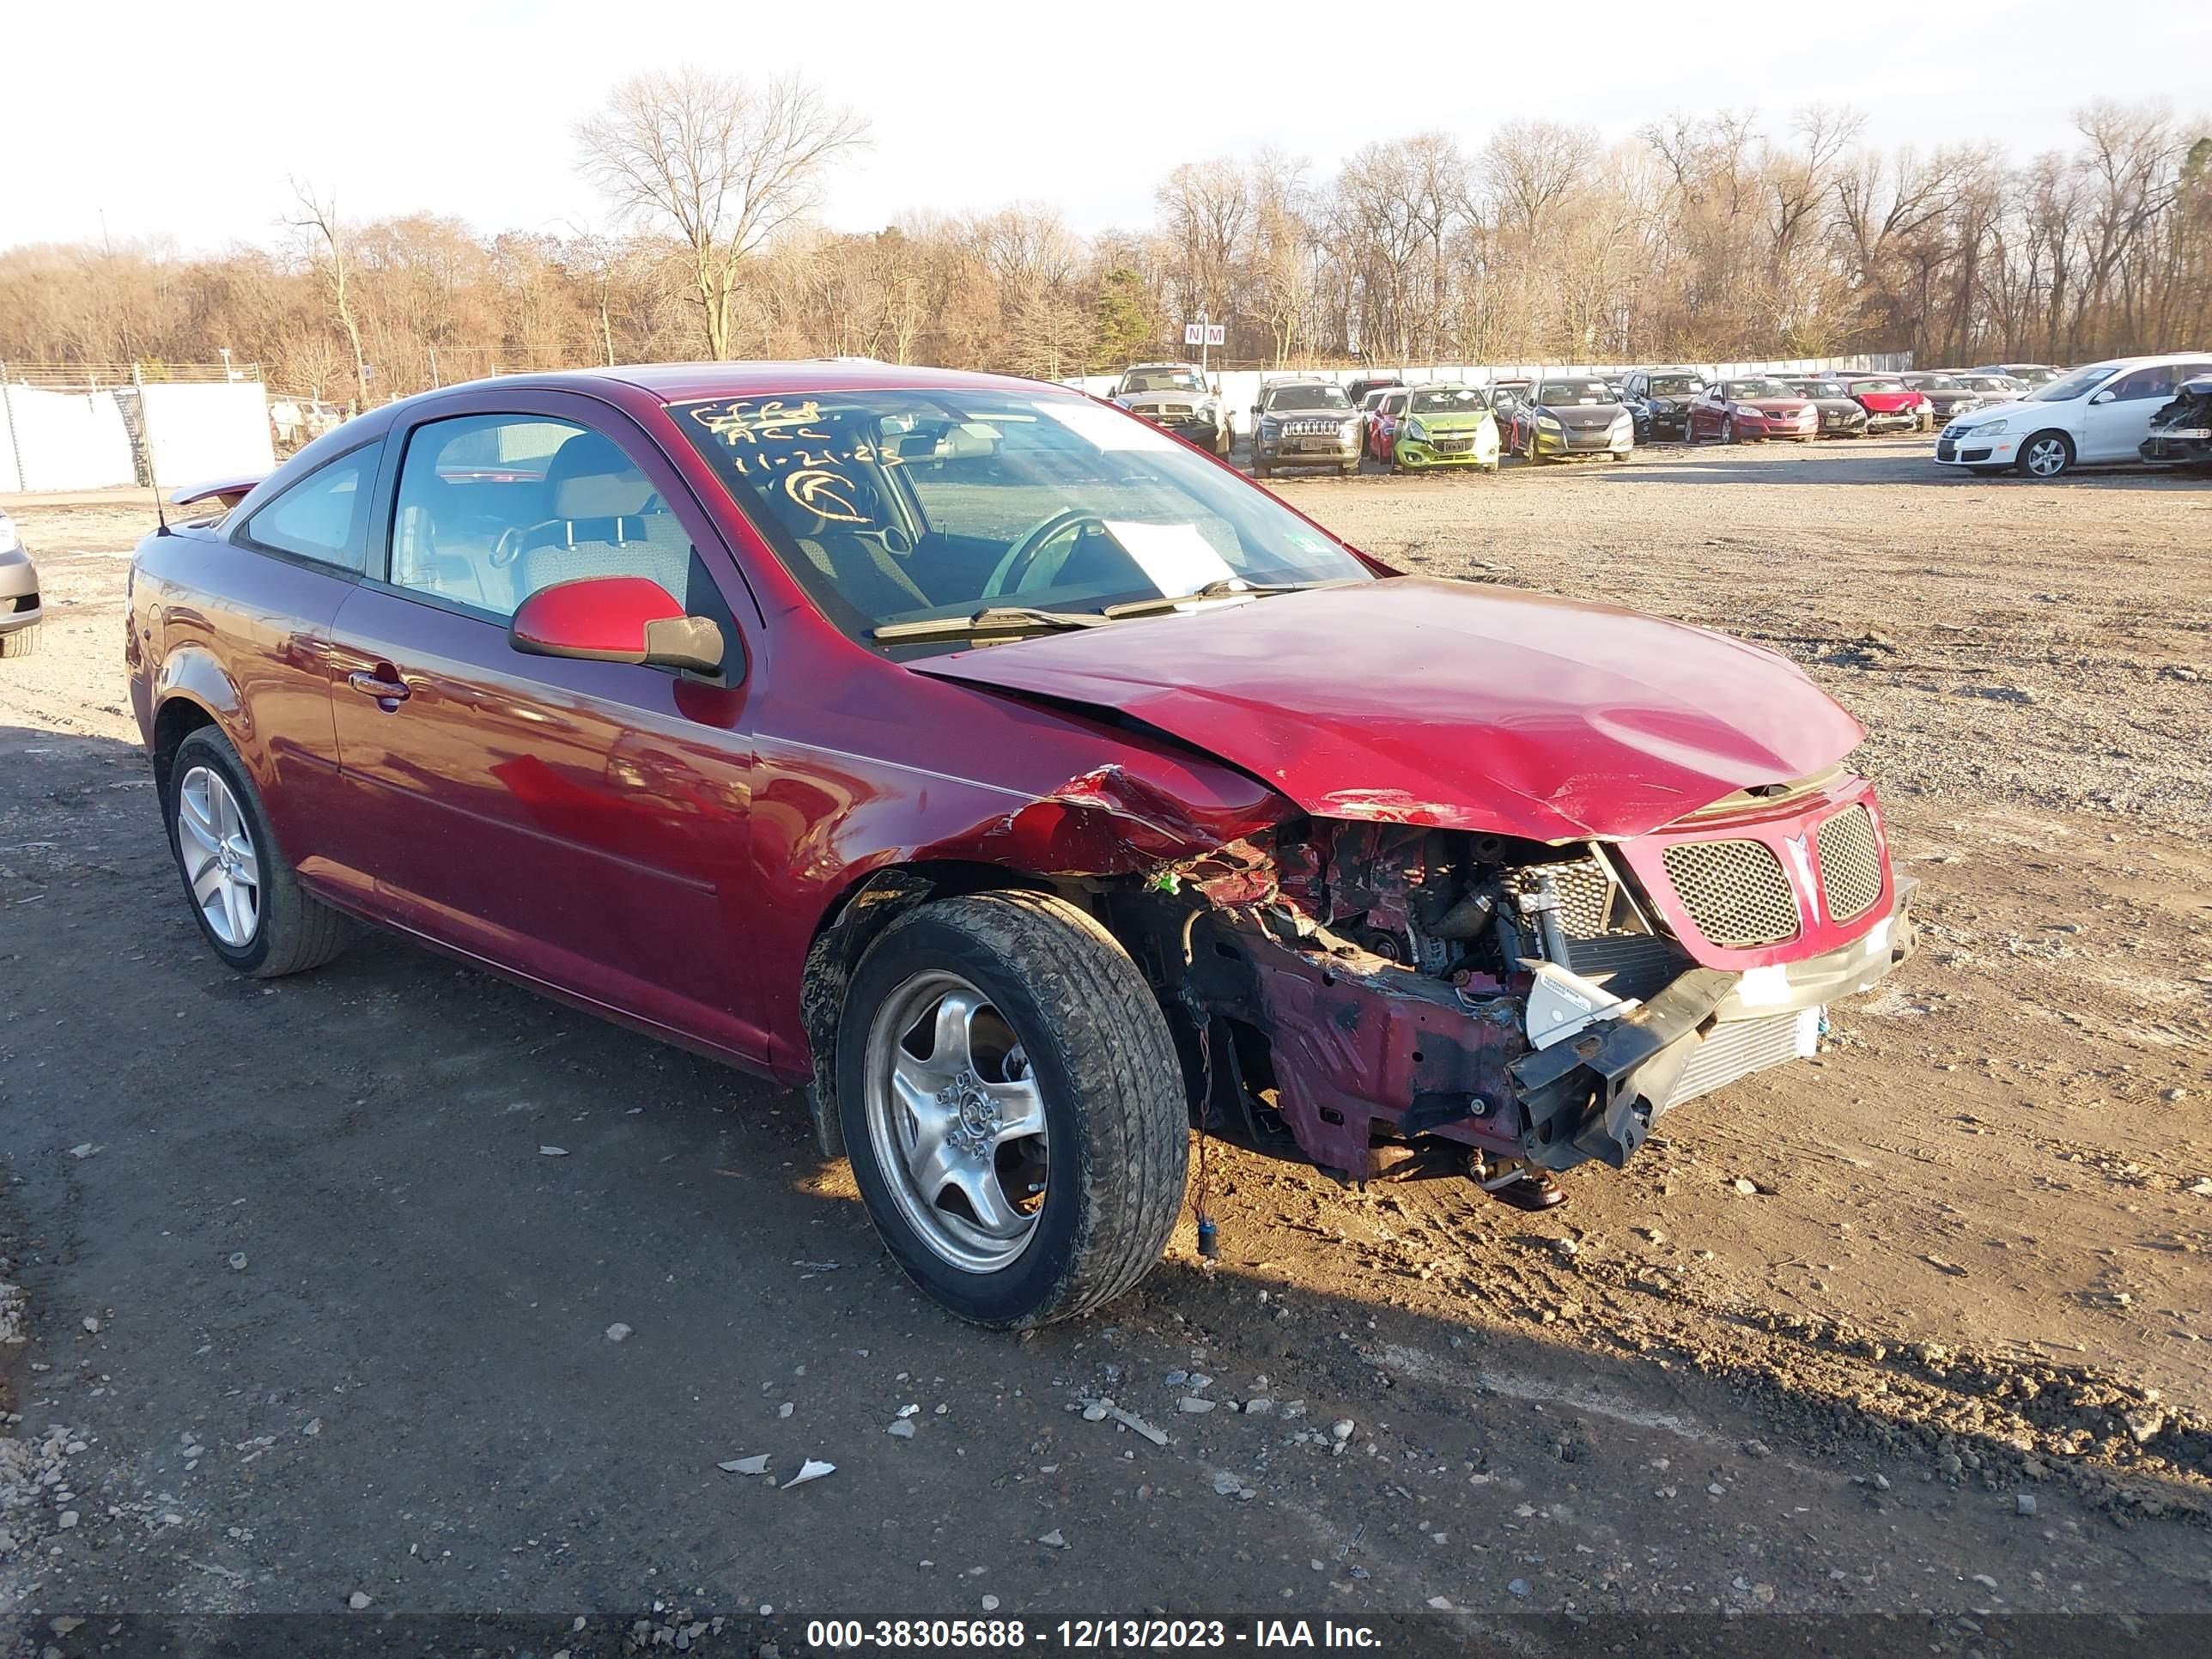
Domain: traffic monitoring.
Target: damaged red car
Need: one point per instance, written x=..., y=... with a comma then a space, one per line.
x=1016, y=778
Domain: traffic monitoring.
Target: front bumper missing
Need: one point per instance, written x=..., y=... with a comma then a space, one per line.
x=1358, y=1044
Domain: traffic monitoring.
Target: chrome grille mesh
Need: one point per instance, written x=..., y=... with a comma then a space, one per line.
x=1585, y=890
x=1851, y=864
x=1736, y=892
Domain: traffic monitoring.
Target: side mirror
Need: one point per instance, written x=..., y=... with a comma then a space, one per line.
x=2105, y=397
x=615, y=619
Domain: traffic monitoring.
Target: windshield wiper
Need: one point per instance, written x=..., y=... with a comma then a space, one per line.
x=1225, y=587
x=992, y=619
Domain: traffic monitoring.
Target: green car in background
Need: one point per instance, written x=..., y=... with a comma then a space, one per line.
x=1445, y=425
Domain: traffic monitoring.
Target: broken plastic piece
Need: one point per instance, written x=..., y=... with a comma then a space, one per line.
x=813, y=1469
x=756, y=1464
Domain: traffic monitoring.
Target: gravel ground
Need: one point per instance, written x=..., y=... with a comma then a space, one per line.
x=307, y=1313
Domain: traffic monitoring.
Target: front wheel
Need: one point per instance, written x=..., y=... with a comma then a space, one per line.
x=2047, y=455
x=1728, y=429
x=244, y=893
x=1013, y=1107
x=23, y=643
x=1260, y=468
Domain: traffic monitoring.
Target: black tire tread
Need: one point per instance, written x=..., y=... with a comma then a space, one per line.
x=1138, y=1117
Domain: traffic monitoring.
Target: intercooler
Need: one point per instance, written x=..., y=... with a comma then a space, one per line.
x=1740, y=1046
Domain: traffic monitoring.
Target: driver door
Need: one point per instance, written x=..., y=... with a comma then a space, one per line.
x=586, y=824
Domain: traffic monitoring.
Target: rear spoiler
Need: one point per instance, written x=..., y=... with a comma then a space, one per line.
x=226, y=492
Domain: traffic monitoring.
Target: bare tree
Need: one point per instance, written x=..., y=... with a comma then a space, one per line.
x=722, y=163
x=319, y=217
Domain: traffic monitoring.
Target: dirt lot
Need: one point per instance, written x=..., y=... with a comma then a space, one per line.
x=312, y=1315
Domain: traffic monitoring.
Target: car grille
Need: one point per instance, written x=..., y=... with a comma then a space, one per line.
x=1584, y=889
x=1310, y=429
x=1945, y=449
x=1452, y=446
x=1736, y=892
x=1856, y=417
x=1851, y=864
x=1167, y=412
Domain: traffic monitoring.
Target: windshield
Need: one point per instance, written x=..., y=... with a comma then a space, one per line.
x=1937, y=383
x=1573, y=391
x=1307, y=396
x=1749, y=389
x=1161, y=380
x=2067, y=387
x=1449, y=400
x=1878, y=385
x=1676, y=386
x=1821, y=389
x=1986, y=382
x=906, y=506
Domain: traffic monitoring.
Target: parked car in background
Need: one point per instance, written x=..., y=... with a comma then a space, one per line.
x=1751, y=409
x=2182, y=431
x=1176, y=395
x=1570, y=417
x=1382, y=426
x=1659, y=399
x=1841, y=414
x=2030, y=376
x=2090, y=417
x=1367, y=406
x=1891, y=405
x=688, y=722
x=1445, y=425
x=1949, y=397
x=20, y=613
x=1305, y=423
x=1359, y=389
x=1993, y=387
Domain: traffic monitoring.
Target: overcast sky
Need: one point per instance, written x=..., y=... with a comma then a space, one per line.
x=184, y=120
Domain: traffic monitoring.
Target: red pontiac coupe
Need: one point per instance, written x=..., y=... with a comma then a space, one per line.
x=1013, y=775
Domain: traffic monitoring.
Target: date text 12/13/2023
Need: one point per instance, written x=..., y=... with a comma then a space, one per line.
x=1084, y=1635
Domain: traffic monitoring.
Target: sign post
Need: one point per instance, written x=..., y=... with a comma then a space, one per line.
x=1205, y=335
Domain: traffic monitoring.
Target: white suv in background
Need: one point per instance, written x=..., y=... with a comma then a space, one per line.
x=2087, y=417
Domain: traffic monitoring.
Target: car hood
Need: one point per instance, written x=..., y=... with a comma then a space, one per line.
x=1835, y=405
x=1452, y=420
x=1582, y=417
x=1144, y=400
x=1775, y=405
x=1414, y=700
x=1991, y=412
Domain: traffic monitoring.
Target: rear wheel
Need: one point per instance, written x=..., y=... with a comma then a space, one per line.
x=245, y=895
x=1013, y=1107
x=2045, y=455
x=23, y=643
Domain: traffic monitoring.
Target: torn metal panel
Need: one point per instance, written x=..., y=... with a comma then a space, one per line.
x=1109, y=822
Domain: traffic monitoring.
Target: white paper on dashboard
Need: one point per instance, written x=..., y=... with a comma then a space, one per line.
x=1175, y=556
x=1106, y=428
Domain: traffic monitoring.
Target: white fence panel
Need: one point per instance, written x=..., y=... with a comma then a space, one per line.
x=201, y=432
x=62, y=440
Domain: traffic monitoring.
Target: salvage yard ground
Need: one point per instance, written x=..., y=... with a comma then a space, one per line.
x=321, y=1275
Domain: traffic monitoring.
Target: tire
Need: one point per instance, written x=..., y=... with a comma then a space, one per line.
x=1349, y=470
x=1091, y=1062
x=1728, y=429
x=2044, y=456
x=23, y=643
x=1260, y=468
x=281, y=928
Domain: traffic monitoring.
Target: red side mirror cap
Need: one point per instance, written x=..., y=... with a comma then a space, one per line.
x=615, y=619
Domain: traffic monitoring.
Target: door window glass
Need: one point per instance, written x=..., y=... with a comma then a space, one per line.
x=325, y=516
x=492, y=508
x=2143, y=383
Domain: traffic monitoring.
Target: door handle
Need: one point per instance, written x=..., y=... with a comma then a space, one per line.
x=385, y=691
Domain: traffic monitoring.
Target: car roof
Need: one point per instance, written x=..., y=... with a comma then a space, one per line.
x=681, y=382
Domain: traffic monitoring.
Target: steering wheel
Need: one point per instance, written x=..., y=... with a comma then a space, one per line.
x=1014, y=568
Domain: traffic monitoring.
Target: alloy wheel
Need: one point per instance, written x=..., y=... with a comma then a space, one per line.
x=2046, y=456
x=957, y=1120
x=221, y=865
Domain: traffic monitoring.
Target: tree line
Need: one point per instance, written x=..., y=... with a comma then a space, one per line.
x=1713, y=238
